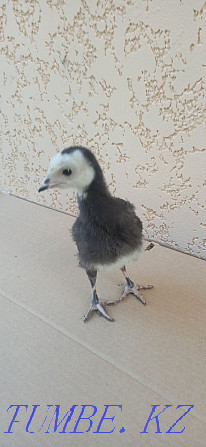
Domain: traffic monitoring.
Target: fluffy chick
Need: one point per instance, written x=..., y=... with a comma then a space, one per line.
x=107, y=232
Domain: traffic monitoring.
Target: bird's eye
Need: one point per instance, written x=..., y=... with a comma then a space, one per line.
x=67, y=172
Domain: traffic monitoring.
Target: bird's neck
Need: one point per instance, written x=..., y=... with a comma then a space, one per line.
x=92, y=199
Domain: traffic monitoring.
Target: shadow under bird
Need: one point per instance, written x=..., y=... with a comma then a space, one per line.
x=107, y=232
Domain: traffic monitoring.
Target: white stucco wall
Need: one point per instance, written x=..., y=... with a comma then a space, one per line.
x=125, y=78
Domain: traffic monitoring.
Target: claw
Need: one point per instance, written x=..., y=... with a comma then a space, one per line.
x=88, y=315
x=148, y=286
x=97, y=307
x=134, y=290
x=129, y=289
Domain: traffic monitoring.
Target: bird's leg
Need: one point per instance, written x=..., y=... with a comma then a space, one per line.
x=130, y=287
x=95, y=303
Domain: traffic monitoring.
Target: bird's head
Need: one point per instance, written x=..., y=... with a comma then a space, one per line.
x=74, y=167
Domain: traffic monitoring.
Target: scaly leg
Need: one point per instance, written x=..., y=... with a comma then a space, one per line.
x=130, y=287
x=95, y=303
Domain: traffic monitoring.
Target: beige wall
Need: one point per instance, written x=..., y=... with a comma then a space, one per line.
x=125, y=78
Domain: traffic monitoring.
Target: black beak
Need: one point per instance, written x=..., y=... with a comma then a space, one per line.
x=45, y=185
x=42, y=188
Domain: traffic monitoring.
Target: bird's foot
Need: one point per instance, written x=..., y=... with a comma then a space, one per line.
x=97, y=307
x=130, y=287
x=134, y=289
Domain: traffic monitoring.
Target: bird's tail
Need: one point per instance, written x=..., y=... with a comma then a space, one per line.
x=150, y=246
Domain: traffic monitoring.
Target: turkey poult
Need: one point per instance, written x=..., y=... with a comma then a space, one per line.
x=108, y=234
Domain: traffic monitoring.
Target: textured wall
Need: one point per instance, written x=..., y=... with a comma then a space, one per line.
x=125, y=78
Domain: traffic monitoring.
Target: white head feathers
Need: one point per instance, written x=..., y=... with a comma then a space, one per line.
x=69, y=170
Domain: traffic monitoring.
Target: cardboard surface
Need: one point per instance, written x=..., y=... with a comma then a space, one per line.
x=153, y=355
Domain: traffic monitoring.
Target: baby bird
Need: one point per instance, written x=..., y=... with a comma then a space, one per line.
x=107, y=232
